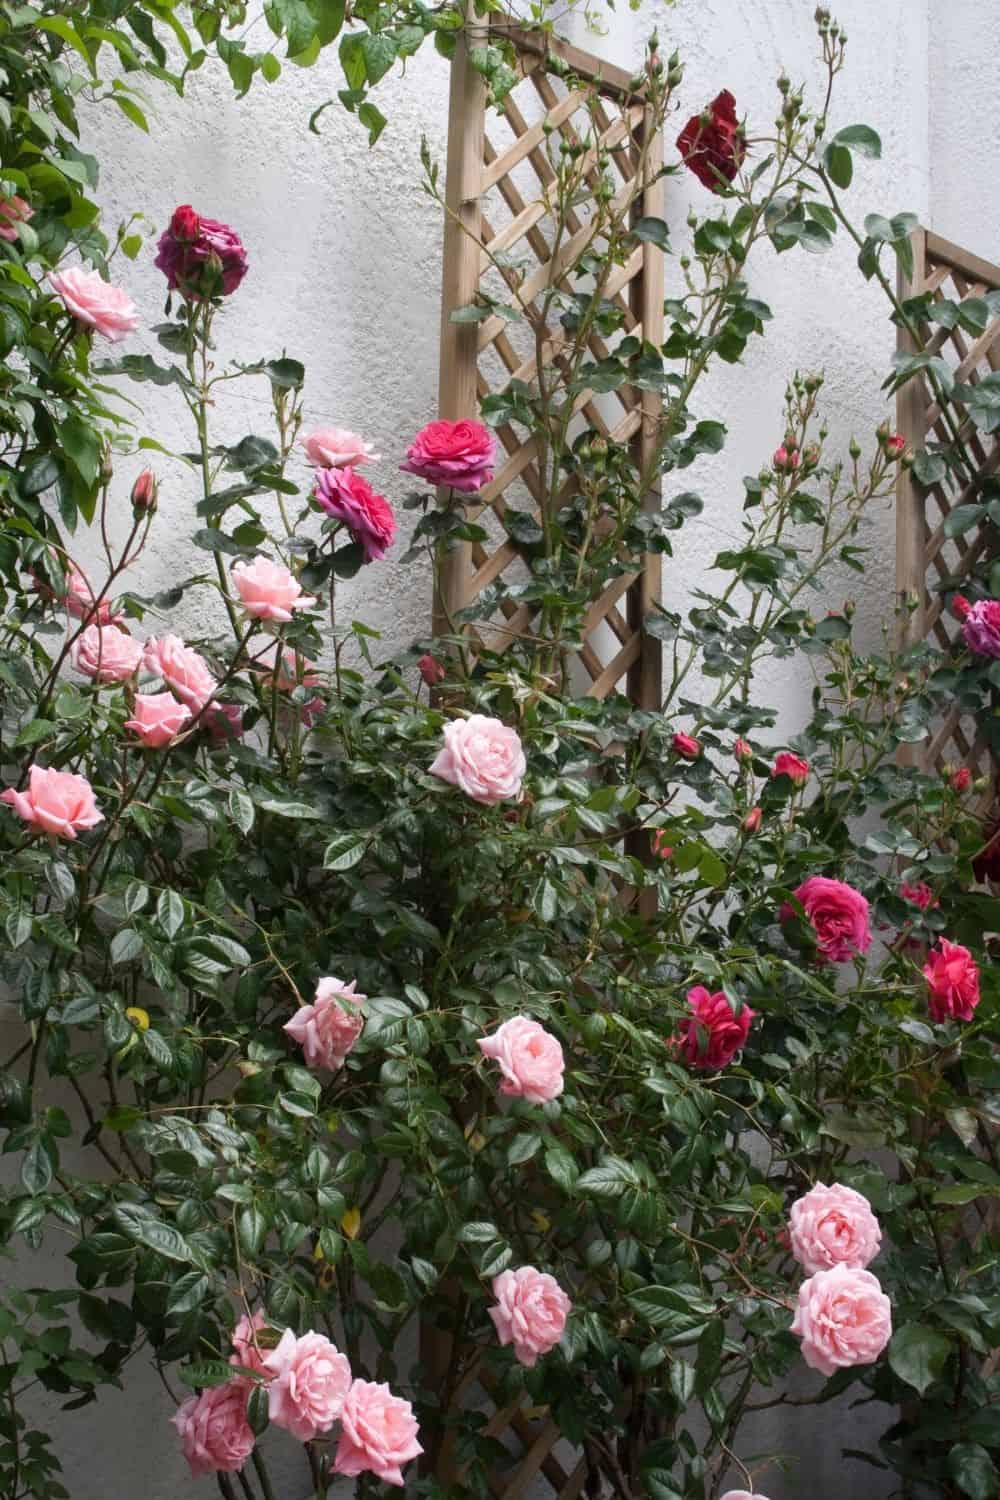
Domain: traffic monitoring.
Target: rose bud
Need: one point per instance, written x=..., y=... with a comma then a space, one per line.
x=960, y=606
x=144, y=493
x=742, y=750
x=961, y=779
x=431, y=671
x=786, y=460
x=662, y=849
x=686, y=746
x=752, y=821
x=894, y=445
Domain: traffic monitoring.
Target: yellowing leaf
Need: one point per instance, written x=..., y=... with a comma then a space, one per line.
x=351, y=1222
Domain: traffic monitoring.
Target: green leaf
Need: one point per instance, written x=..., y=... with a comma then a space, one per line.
x=170, y=912
x=36, y=1169
x=82, y=447
x=962, y=519
x=652, y=231
x=35, y=732
x=839, y=164
x=132, y=112
x=379, y=52
x=860, y=138
x=918, y=1354
x=60, y=27
x=344, y=853
x=372, y=119
x=153, y=1234
x=285, y=808
x=126, y=945
x=253, y=1228
x=972, y=1469
x=205, y=1373
x=241, y=810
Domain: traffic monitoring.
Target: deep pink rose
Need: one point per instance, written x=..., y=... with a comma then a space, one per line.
x=200, y=257
x=918, y=895
x=531, y=1312
x=952, y=976
x=484, y=758
x=268, y=591
x=686, y=746
x=215, y=1435
x=431, y=670
x=95, y=302
x=961, y=780
x=712, y=143
x=530, y=1058
x=981, y=628
x=458, y=454
x=106, y=654
x=378, y=1433
x=184, y=671
x=338, y=448
x=833, y=1226
x=310, y=1384
x=13, y=211
x=348, y=497
x=157, y=718
x=247, y=1350
x=838, y=915
x=843, y=1318
x=57, y=802
x=327, y=1030
x=713, y=1035
x=792, y=766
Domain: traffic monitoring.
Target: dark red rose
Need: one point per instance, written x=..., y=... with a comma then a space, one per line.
x=712, y=143
x=200, y=257
x=185, y=223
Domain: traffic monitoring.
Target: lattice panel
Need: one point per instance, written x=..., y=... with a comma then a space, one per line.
x=499, y=174
x=929, y=563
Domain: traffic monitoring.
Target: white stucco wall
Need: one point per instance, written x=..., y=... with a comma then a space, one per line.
x=344, y=253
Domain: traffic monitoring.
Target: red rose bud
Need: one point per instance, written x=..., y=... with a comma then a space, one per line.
x=752, y=821
x=431, y=670
x=742, y=750
x=894, y=445
x=792, y=766
x=785, y=460
x=144, y=492
x=660, y=848
x=960, y=606
x=961, y=779
x=686, y=746
x=185, y=223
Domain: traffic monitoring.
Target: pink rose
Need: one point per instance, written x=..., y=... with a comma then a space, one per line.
x=714, y=1035
x=348, y=497
x=338, y=448
x=742, y=1495
x=378, y=1433
x=531, y=1312
x=79, y=600
x=960, y=606
x=981, y=628
x=833, y=1226
x=838, y=915
x=95, y=302
x=216, y=1437
x=56, y=801
x=224, y=722
x=843, y=1318
x=200, y=257
x=327, y=1030
x=743, y=750
x=106, y=654
x=294, y=670
x=157, y=718
x=952, y=976
x=458, y=454
x=431, y=670
x=268, y=591
x=918, y=895
x=484, y=758
x=311, y=1381
x=792, y=766
x=530, y=1058
x=751, y=823
x=686, y=746
x=183, y=670
x=247, y=1350
x=13, y=211
x=661, y=848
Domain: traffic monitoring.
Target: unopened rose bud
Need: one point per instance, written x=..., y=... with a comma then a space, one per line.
x=961, y=779
x=742, y=750
x=849, y=609
x=107, y=467
x=784, y=84
x=854, y=448
x=752, y=821
x=981, y=784
x=786, y=460
x=894, y=445
x=144, y=492
x=810, y=457
x=431, y=670
x=960, y=606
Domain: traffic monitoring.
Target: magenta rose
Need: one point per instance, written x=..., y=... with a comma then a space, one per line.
x=713, y=1035
x=952, y=976
x=458, y=454
x=268, y=591
x=843, y=1318
x=310, y=1382
x=530, y=1058
x=919, y=895
x=216, y=1437
x=184, y=671
x=338, y=448
x=981, y=627
x=378, y=1433
x=327, y=1030
x=686, y=746
x=838, y=915
x=792, y=766
x=348, y=497
x=530, y=1312
x=157, y=718
x=106, y=654
x=833, y=1226
x=56, y=802
x=484, y=758
x=200, y=257
x=94, y=302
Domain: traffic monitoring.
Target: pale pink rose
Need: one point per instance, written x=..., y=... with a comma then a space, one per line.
x=13, y=211
x=742, y=1495
x=268, y=591
x=531, y=1312
x=530, y=1058
x=93, y=301
x=216, y=1437
x=833, y=1226
x=378, y=1433
x=327, y=1030
x=838, y=915
x=79, y=600
x=843, y=1318
x=484, y=758
x=106, y=654
x=337, y=448
x=185, y=672
x=310, y=1384
x=157, y=718
x=247, y=1351
x=952, y=976
x=57, y=802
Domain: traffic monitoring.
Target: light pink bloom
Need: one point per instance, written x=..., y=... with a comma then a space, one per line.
x=459, y=454
x=106, y=654
x=838, y=915
x=268, y=591
x=952, y=976
x=216, y=1437
x=530, y=1058
x=833, y=1226
x=531, y=1312
x=157, y=718
x=337, y=448
x=94, y=301
x=742, y=1495
x=246, y=1349
x=310, y=1385
x=348, y=497
x=13, y=211
x=57, y=802
x=184, y=671
x=378, y=1433
x=327, y=1030
x=713, y=1035
x=843, y=1318
x=484, y=758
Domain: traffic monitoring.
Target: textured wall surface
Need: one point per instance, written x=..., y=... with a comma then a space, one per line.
x=345, y=275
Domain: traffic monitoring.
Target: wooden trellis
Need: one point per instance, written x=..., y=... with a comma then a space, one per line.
x=497, y=175
x=928, y=561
